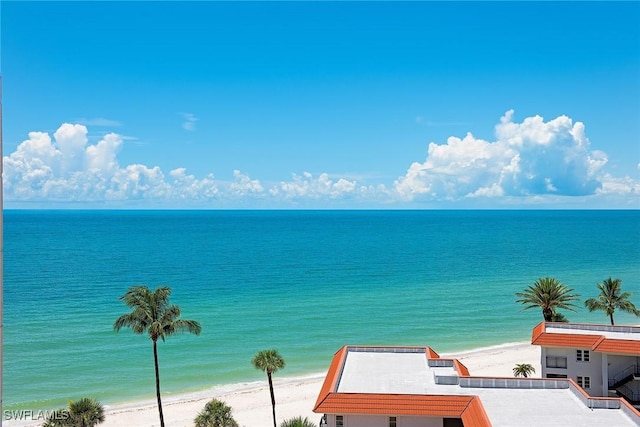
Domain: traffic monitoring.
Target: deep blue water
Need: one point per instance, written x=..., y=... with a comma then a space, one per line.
x=304, y=282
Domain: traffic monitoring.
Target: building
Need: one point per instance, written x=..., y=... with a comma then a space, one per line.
x=604, y=360
x=414, y=387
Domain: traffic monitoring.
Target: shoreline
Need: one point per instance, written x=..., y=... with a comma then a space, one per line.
x=295, y=396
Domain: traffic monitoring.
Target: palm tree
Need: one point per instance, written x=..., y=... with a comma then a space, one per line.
x=298, y=422
x=523, y=370
x=215, y=414
x=549, y=294
x=611, y=298
x=58, y=418
x=269, y=361
x=559, y=318
x=85, y=412
x=152, y=313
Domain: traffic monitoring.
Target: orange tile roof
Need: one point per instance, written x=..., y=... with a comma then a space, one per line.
x=475, y=415
x=431, y=354
x=469, y=408
x=394, y=404
x=618, y=346
x=596, y=342
x=333, y=374
x=460, y=368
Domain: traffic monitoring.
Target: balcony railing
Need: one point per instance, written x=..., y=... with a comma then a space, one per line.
x=624, y=375
x=629, y=394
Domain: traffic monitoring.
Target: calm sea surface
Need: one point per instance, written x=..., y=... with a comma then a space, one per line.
x=304, y=282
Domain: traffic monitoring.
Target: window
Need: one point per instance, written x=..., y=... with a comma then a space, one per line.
x=392, y=422
x=582, y=355
x=584, y=382
x=339, y=421
x=556, y=362
x=556, y=376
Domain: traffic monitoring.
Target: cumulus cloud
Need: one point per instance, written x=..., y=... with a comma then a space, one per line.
x=308, y=186
x=531, y=158
x=244, y=185
x=529, y=162
x=66, y=168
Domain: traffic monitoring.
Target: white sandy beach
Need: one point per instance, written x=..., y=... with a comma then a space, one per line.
x=294, y=396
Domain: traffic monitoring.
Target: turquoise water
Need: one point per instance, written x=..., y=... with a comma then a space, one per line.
x=304, y=282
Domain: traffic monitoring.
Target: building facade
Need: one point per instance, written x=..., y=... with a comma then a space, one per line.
x=414, y=387
x=604, y=360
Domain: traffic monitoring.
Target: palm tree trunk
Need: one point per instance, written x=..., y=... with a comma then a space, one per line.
x=155, y=360
x=273, y=398
x=547, y=313
x=611, y=317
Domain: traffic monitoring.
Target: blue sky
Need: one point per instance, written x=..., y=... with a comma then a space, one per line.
x=267, y=105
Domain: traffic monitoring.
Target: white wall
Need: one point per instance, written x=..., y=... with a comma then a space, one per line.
x=591, y=369
x=383, y=421
x=420, y=422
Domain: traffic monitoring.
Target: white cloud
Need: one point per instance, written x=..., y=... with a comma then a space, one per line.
x=619, y=186
x=530, y=163
x=307, y=186
x=189, y=121
x=244, y=185
x=532, y=158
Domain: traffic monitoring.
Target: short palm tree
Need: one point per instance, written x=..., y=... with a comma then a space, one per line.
x=85, y=412
x=215, y=414
x=298, y=422
x=152, y=313
x=269, y=361
x=523, y=370
x=611, y=298
x=58, y=418
x=549, y=294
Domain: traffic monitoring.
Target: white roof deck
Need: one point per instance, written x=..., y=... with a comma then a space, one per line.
x=390, y=372
x=393, y=373
x=610, y=332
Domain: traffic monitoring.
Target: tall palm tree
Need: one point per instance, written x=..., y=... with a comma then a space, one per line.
x=611, y=298
x=549, y=294
x=269, y=361
x=85, y=412
x=523, y=370
x=215, y=414
x=152, y=313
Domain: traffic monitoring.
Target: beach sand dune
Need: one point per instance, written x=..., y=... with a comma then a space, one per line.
x=294, y=396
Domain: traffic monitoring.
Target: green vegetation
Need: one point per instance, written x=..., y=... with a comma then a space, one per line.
x=523, y=370
x=269, y=361
x=611, y=298
x=549, y=295
x=559, y=318
x=297, y=422
x=85, y=412
x=152, y=313
x=215, y=414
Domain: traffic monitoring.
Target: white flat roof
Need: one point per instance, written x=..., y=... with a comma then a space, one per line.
x=629, y=336
x=393, y=373
x=545, y=407
x=390, y=372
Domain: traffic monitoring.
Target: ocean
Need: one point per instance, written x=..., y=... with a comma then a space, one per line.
x=303, y=282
